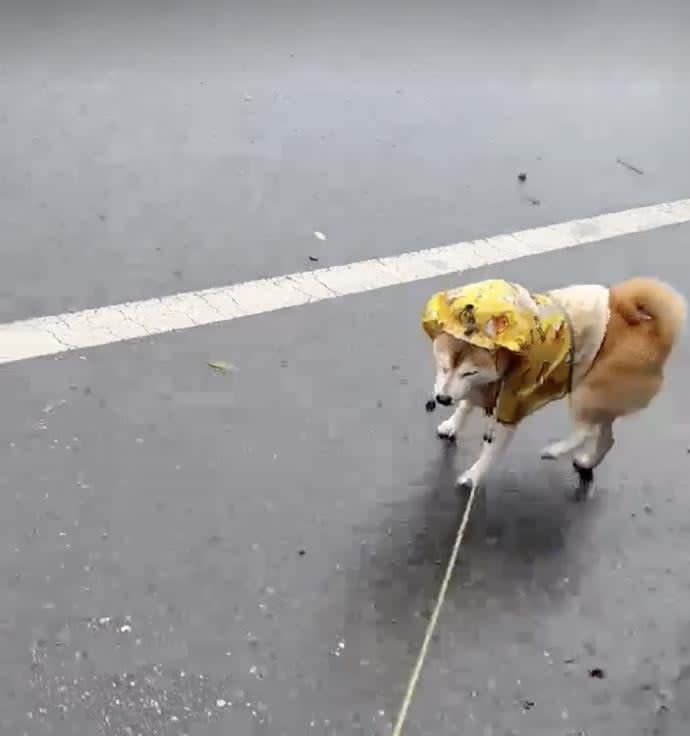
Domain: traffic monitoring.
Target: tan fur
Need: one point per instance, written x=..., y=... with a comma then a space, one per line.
x=646, y=319
x=453, y=352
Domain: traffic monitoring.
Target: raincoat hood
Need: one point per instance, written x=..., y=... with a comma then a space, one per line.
x=497, y=314
x=490, y=314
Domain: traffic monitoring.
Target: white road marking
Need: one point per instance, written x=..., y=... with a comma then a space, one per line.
x=60, y=333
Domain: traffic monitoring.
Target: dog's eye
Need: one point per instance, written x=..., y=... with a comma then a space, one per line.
x=467, y=374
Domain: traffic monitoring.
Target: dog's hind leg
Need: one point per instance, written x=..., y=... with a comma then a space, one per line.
x=586, y=462
x=602, y=445
x=568, y=445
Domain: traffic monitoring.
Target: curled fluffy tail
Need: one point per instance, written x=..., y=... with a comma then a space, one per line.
x=641, y=299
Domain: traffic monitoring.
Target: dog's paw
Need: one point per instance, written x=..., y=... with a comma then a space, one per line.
x=446, y=430
x=585, y=477
x=552, y=451
x=464, y=484
x=582, y=462
x=467, y=481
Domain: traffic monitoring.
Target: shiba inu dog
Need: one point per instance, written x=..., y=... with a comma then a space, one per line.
x=506, y=351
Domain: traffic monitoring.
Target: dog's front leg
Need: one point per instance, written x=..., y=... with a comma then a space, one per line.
x=451, y=427
x=494, y=445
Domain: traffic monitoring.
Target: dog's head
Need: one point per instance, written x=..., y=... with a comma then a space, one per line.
x=462, y=368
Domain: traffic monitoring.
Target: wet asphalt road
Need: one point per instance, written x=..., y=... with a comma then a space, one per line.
x=256, y=553
x=154, y=147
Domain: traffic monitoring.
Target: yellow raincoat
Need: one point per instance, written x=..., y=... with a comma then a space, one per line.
x=497, y=314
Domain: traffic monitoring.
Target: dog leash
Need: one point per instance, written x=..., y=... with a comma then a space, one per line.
x=452, y=561
x=433, y=620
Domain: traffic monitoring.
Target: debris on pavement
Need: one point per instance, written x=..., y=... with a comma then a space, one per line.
x=629, y=166
x=340, y=647
x=52, y=405
x=597, y=673
x=221, y=366
x=522, y=176
x=430, y=406
x=319, y=235
x=314, y=259
x=252, y=640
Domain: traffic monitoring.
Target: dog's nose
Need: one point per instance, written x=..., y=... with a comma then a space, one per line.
x=444, y=399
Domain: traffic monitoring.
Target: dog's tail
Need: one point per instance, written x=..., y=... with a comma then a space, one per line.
x=643, y=299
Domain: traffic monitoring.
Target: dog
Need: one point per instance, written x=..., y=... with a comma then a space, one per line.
x=501, y=349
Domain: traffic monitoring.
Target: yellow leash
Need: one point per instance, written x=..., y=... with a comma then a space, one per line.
x=431, y=626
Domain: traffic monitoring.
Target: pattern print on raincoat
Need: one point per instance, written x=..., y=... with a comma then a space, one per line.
x=497, y=314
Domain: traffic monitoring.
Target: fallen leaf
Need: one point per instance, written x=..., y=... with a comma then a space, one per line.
x=220, y=366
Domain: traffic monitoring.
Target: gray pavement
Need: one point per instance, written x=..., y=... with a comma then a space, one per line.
x=256, y=553
x=173, y=540
x=154, y=147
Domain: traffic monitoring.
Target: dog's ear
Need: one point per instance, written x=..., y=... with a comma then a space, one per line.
x=504, y=361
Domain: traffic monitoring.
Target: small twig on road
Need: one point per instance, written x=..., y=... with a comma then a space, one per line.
x=629, y=166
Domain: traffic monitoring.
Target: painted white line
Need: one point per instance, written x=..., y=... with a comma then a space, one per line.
x=42, y=336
